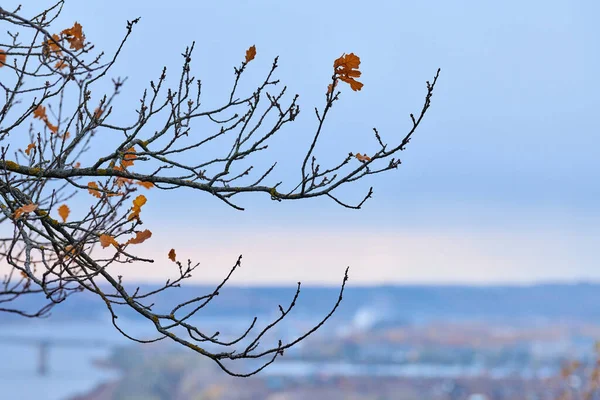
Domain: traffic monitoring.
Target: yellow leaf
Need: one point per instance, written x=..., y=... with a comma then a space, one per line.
x=64, y=211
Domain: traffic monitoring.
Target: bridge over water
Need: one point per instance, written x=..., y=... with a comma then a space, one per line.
x=43, y=345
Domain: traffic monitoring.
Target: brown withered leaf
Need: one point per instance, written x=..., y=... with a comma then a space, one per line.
x=363, y=157
x=2, y=58
x=64, y=212
x=53, y=128
x=26, y=209
x=147, y=185
x=61, y=64
x=40, y=112
x=30, y=147
x=93, y=189
x=137, y=207
x=346, y=69
x=172, y=255
x=107, y=240
x=250, y=53
x=128, y=158
x=51, y=46
x=140, y=237
x=74, y=36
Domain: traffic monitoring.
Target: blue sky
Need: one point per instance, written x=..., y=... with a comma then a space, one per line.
x=500, y=184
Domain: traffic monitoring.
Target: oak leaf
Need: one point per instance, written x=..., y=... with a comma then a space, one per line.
x=147, y=185
x=93, y=189
x=51, y=46
x=128, y=158
x=53, y=128
x=137, y=207
x=107, y=240
x=250, y=53
x=363, y=157
x=346, y=69
x=74, y=36
x=172, y=255
x=25, y=210
x=61, y=64
x=40, y=112
x=30, y=147
x=140, y=236
x=64, y=211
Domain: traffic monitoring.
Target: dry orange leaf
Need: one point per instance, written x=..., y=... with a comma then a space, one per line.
x=147, y=185
x=2, y=58
x=128, y=158
x=93, y=189
x=250, y=53
x=40, y=112
x=363, y=157
x=51, y=46
x=64, y=211
x=25, y=210
x=74, y=36
x=77, y=165
x=61, y=64
x=98, y=112
x=140, y=236
x=107, y=240
x=137, y=207
x=53, y=128
x=30, y=147
x=69, y=251
x=346, y=69
x=172, y=255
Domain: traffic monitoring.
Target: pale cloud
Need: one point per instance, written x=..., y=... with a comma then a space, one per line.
x=375, y=257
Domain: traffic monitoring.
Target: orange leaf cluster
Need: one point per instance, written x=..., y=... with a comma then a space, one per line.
x=172, y=255
x=2, y=58
x=137, y=207
x=64, y=212
x=363, y=157
x=346, y=69
x=250, y=53
x=30, y=147
x=140, y=236
x=25, y=210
